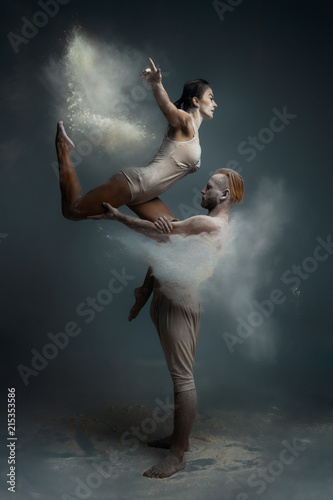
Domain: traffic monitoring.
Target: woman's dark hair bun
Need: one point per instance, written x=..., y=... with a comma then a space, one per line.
x=192, y=88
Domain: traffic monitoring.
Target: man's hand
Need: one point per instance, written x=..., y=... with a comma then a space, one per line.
x=164, y=225
x=111, y=213
x=152, y=74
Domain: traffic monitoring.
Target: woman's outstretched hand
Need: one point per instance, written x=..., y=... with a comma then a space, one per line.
x=110, y=214
x=164, y=225
x=152, y=74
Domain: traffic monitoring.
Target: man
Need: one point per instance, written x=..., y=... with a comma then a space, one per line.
x=178, y=323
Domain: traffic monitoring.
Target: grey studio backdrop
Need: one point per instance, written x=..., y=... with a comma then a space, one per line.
x=266, y=330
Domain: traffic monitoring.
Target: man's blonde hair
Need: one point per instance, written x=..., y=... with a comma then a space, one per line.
x=236, y=183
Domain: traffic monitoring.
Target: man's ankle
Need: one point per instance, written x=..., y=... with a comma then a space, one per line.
x=177, y=451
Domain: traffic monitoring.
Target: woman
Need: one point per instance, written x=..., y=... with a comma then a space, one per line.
x=139, y=187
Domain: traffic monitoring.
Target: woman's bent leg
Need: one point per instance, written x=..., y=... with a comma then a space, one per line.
x=115, y=191
x=69, y=184
x=142, y=294
x=152, y=209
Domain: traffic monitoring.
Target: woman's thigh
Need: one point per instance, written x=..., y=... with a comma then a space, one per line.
x=152, y=209
x=115, y=191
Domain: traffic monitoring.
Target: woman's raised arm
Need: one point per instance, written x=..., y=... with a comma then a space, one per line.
x=175, y=116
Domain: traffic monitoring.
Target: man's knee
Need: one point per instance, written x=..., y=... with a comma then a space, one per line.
x=182, y=384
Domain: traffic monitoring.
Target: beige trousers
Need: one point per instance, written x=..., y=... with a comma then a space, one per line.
x=177, y=325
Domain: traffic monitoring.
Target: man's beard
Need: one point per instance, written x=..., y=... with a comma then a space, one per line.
x=208, y=204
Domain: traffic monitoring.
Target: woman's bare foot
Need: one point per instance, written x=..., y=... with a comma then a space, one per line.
x=164, y=443
x=62, y=137
x=171, y=464
x=141, y=295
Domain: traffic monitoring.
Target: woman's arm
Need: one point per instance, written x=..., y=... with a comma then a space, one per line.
x=176, y=117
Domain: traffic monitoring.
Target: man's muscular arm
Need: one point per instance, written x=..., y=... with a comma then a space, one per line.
x=189, y=227
x=140, y=226
x=161, y=229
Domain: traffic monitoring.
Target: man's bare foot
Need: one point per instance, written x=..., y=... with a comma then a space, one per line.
x=165, y=468
x=62, y=137
x=164, y=443
x=141, y=295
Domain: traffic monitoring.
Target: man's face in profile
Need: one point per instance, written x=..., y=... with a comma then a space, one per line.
x=211, y=194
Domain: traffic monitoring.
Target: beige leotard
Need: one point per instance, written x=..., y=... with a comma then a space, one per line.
x=171, y=163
